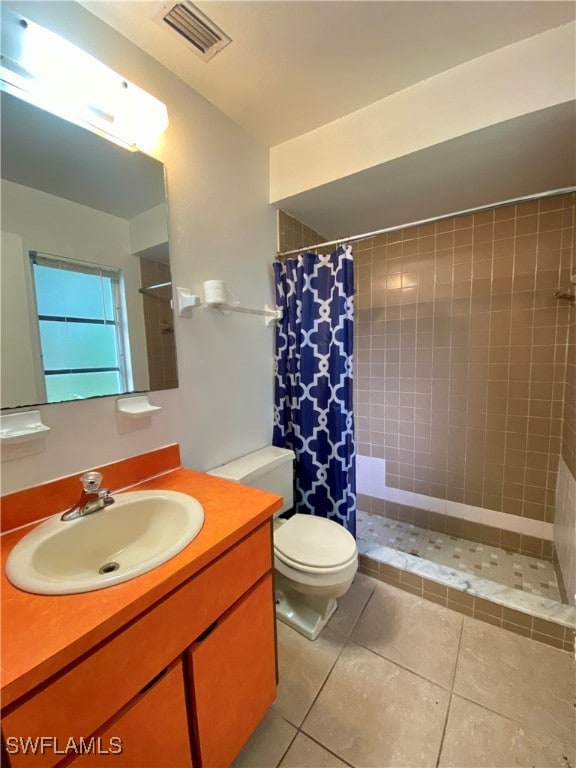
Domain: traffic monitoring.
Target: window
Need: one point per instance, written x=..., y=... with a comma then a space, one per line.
x=81, y=328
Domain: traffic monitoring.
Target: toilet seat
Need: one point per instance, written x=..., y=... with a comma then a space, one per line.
x=314, y=545
x=314, y=569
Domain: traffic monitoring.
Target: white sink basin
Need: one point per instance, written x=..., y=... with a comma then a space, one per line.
x=140, y=531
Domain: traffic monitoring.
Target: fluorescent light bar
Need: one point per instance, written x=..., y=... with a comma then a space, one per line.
x=46, y=70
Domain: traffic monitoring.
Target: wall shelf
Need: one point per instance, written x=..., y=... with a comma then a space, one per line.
x=22, y=427
x=136, y=407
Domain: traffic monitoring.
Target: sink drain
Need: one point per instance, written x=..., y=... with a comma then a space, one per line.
x=109, y=567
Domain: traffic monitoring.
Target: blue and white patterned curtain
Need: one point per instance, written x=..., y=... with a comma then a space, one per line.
x=313, y=386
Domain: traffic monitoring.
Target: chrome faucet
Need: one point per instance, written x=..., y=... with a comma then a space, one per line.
x=93, y=497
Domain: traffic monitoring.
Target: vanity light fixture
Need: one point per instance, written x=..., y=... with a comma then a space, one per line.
x=48, y=71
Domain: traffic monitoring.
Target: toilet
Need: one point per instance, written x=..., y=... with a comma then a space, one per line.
x=315, y=559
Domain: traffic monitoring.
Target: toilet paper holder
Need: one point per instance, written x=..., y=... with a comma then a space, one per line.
x=187, y=301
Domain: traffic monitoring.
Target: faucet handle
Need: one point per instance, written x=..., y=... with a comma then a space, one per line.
x=91, y=481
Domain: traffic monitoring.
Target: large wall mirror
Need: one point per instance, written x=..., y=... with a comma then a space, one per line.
x=85, y=272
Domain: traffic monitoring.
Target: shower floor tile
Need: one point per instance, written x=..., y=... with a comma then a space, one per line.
x=522, y=572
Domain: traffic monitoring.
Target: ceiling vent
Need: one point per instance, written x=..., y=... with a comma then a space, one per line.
x=194, y=28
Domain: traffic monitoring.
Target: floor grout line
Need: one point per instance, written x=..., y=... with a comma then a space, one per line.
x=338, y=757
x=457, y=653
x=452, y=694
x=441, y=747
x=483, y=706
x=292, y=740
x=346, y=638
x=400, y=666
x=345, y=643
x=522, y=724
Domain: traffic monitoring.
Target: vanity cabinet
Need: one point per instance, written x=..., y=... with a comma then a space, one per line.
x=215, y=634
x=229, y=677
x=153, y=729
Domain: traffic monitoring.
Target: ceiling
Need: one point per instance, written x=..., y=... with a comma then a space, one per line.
x=295, y=65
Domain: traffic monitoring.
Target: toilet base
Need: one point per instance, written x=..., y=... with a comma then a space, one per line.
x=308, y=616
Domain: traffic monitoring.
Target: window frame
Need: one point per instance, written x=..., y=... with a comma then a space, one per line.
x=119, y=322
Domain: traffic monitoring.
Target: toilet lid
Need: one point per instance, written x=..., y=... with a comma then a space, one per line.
x=314, y=541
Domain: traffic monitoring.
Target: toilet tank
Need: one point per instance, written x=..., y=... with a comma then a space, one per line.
x=270, y=469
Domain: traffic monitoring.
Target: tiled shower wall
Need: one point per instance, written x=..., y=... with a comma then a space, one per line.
x=461, y=359
x=159, y=325
x=293, y=234
x=569, y=434
x=565, y=523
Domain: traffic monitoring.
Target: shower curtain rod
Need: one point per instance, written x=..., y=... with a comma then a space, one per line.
x=352, y=238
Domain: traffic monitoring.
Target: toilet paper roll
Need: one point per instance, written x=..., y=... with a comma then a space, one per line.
x=214, y=293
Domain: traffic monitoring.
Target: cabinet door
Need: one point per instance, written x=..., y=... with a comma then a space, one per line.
x=233, y=677
x=151, y=732
x=80, y=699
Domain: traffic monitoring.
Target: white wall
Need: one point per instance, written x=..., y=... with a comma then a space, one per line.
x=149, y=228
x=59, y=227
x=565, y=529
x=221, y=226
x=18, y=369
x=516, y=80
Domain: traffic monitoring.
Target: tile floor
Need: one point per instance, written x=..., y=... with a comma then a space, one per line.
x=397, y=682
x=528, y=574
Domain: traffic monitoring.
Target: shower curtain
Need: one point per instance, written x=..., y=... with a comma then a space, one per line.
x=313, y=381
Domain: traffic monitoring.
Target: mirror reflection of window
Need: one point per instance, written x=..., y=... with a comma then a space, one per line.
x=82, y=328
x=71, y=193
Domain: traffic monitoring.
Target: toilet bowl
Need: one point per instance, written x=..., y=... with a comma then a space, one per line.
x=315, y=559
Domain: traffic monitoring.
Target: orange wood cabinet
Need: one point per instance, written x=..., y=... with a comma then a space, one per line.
x=151, y=732
x=220, y=624
x=232, y=677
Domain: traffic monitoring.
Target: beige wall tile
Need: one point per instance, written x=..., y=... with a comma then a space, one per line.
x=293, y=234
x=492, y=341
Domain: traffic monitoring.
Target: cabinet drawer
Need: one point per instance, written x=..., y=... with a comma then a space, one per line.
x=153, y=730
x=78, y=701
x=233, y=677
